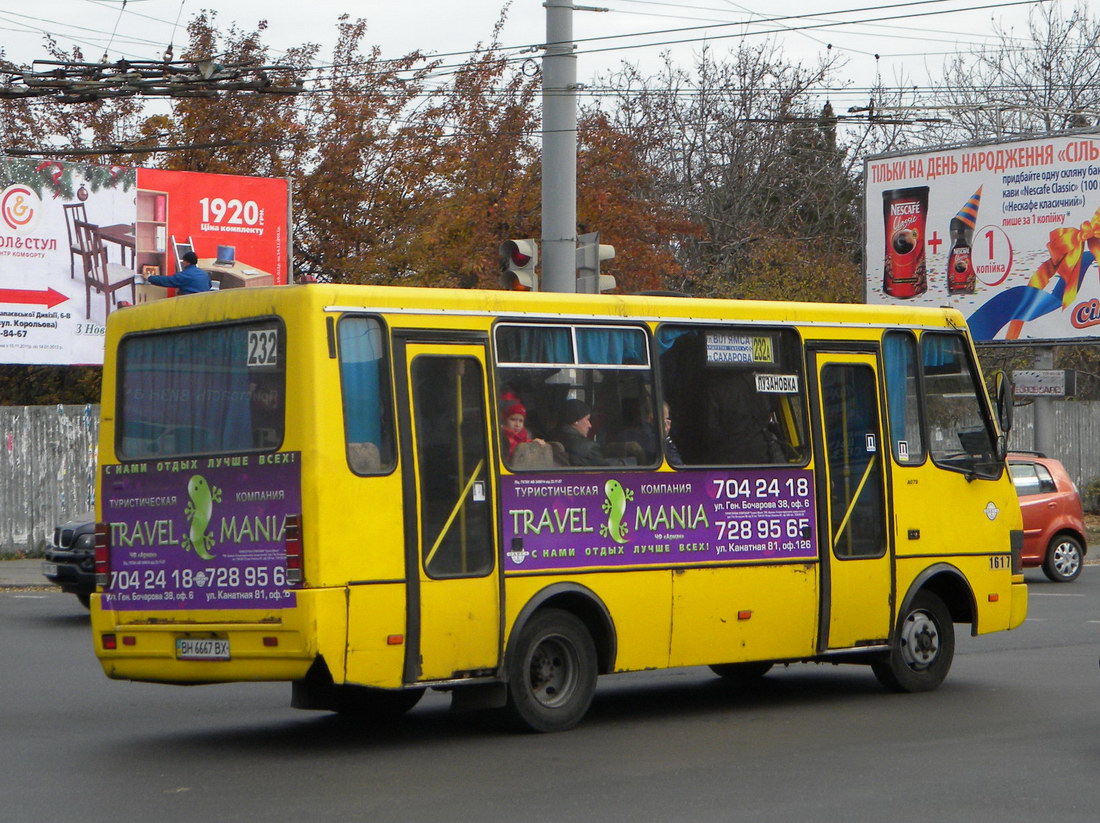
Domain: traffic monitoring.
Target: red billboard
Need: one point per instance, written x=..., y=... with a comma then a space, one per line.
x=237, y=226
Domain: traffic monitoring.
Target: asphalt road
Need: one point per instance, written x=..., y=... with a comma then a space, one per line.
x=1010, y=736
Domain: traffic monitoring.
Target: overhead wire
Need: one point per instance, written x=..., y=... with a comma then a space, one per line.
x=811, y=26
x=818, y=15
x=446, y=71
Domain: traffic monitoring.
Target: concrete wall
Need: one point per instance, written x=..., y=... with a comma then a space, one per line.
x=47, y=463
x=47, y=472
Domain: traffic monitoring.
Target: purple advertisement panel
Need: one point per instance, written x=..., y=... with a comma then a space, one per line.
x=205, y=533
x=629, y=519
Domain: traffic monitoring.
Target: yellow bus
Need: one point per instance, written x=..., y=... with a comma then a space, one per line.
x=371, y=491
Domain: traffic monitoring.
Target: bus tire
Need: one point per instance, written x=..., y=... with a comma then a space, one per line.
x=551, y=672
x=922, y=648
x=1064, y=559
x=741, y=674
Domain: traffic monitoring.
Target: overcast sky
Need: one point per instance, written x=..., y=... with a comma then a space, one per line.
x=911, y=38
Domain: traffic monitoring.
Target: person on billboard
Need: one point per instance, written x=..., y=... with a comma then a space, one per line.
x=190, y=280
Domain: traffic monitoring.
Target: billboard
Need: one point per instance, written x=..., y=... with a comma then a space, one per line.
x=1007, y=233
x=76, y=239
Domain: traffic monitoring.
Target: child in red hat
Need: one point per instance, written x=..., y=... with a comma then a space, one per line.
x=515, y=432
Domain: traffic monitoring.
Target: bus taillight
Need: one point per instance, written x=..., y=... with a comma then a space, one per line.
x=294, y=548
x=102, y=554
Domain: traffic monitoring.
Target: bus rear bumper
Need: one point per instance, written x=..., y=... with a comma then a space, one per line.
x=214, y=654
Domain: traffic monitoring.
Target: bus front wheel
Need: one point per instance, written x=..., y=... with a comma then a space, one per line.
x=922, y=649
x=551, y=672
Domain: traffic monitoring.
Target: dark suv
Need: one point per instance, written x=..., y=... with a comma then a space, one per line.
x=1054, y=524
x=70, y=557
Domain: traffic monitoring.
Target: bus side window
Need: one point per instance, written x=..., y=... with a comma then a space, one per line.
x=903, y=397
x=735, y=396
x=550, y=369
x=960, y=430
x=365, y=388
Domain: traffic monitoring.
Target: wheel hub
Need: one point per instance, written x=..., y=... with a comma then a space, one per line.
x=552, y=672
x=920, y=641
x=1065, y=559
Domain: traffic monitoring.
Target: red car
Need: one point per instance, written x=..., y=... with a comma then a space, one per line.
x=1054, y=522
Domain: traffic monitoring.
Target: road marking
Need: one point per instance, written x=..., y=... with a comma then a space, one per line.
x=29, y=596
x=1053, y=594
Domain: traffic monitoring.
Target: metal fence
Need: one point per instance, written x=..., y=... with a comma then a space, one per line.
x=47, y=472
x=1076, y=439
x=47, y=463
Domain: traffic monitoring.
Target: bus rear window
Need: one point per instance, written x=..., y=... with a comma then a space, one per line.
x=205, y=390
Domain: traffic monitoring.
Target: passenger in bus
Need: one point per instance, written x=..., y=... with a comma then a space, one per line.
x=671, y=451
x=514, y=428
x=738, y=422
x=572, y=433
x=640, y=430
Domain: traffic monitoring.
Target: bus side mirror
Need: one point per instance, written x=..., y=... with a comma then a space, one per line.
x=1005, y=409
x=1005, y=399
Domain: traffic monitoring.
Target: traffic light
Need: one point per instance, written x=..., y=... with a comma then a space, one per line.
x=589, y=254
x=518, y=259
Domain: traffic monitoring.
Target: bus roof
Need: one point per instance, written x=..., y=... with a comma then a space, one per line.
x=235, y=303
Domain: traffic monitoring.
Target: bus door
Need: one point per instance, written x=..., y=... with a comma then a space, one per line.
x=450, y=523
x=857, y=578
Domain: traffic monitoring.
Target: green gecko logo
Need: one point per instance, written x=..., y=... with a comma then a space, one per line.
x=614, y=506
x=199, y=511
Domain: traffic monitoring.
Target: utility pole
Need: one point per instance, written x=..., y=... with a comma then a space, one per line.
x=1044, y=407
x=559, y=150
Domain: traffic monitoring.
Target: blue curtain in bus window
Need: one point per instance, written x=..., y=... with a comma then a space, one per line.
x=529, y=344
x=361, y=353
x=186, y=393
x=611, y=347
x=940, y=351
x=897, y=351
x=667, y=335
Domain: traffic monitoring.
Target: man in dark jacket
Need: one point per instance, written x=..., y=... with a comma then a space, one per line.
x=191, y=280
x=572, y=433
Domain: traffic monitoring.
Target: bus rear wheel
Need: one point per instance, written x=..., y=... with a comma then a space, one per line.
x=551, y=673
x=922, y=649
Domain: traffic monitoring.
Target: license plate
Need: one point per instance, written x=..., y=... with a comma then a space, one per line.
x=49, y=569
x=202, y=648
